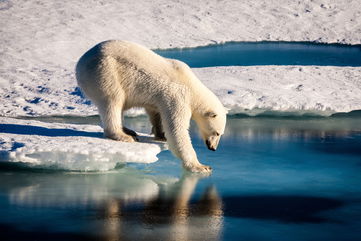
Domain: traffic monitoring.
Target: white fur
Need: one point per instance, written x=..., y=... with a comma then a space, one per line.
x=118, y=75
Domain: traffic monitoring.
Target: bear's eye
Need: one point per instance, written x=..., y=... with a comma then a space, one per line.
x=211, y=114
x=216, y=133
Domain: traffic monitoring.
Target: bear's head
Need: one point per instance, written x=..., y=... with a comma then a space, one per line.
x=211, y=126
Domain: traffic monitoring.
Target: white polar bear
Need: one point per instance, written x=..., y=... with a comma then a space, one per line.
x=118, y=75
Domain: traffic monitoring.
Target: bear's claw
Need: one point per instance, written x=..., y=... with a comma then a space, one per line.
x=123, y=138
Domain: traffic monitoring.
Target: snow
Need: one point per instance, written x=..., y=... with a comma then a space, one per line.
x=42, y=40
x=69, y=146
x=297, y=90
x=321, y=90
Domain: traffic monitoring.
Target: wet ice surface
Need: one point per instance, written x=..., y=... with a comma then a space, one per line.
x=273, y=179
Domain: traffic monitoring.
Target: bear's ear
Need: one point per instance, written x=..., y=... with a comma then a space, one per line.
x=210, y=114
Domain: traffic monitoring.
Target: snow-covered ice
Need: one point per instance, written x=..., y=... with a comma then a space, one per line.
x=41, y=41
x=251, y=90
x=69, y=146
x=298, y=90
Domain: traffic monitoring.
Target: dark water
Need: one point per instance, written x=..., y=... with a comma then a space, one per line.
x=267, y=53
x=273, y=179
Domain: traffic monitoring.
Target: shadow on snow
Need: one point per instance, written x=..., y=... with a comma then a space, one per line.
x=43, y=131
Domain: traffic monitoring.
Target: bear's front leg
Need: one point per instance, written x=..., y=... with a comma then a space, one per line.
x=184, y=151
x=175, y=124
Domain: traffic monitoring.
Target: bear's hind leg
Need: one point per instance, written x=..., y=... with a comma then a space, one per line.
x=156, y=121
x=129, y=131
x=111, y=116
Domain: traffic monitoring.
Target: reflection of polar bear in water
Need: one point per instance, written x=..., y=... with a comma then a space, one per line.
x=118, y=75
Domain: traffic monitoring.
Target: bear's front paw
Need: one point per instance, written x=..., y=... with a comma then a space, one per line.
x=120, y=137
x=199, y=168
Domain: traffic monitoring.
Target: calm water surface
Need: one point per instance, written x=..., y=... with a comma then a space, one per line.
x=267, y=53
x=273, y=179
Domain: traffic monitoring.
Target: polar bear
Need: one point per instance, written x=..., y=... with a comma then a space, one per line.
x=118, y=75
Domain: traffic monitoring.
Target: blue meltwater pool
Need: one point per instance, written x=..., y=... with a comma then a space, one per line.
x=273, y=179
x=267, y=53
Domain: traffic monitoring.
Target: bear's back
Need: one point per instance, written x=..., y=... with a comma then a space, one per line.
x=132, y=53
x=134, y=60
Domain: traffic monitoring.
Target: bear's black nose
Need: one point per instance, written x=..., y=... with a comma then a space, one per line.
x=209, y=146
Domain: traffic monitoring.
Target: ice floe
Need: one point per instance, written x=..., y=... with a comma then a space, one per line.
x=69, y=146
